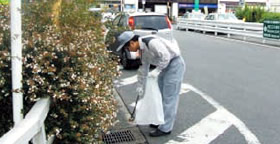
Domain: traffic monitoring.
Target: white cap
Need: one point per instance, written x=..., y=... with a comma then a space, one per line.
x=124, y=38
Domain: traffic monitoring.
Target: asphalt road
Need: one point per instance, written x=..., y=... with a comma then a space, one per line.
x=232, y=92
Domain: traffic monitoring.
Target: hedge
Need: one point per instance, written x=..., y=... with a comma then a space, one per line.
x=250, y=14
x=65, y=58
x=255, y=14
x=271, y=16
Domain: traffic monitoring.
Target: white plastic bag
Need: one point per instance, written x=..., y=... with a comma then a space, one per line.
x=149, y=110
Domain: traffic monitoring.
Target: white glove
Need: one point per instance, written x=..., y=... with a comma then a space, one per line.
x=140, y=91
x=154, y=73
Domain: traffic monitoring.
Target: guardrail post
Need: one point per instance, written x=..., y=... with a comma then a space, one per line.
x=216, y=27
x=203, y=25
x=228, y=35
x=40, y=137
x=244, y=37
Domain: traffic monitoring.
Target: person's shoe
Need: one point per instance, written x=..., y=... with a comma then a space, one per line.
x=157, y=133
x=154, y=126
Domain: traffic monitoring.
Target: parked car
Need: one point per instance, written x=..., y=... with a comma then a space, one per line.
x=106, y=14
x=142, y=24
x=194, y=16
x=227, y=17
x=189, y=16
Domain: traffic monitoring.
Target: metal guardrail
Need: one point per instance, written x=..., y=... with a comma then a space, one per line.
x=31, y=127
x=245, y=29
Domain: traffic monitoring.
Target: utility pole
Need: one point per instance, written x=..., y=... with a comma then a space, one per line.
x=268, y=5
x=122, y=5
x=143, y=4
x=169, y=9
x=16, y=57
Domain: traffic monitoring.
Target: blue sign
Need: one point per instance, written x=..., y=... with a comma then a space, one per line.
x=200, y=5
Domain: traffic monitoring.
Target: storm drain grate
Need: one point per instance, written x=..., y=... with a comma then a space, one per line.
x=124, y=136
x=118, y=137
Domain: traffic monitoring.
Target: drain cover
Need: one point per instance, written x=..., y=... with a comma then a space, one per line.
x=124, y=136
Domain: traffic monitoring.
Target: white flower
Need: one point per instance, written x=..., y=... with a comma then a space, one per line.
x=97, y=86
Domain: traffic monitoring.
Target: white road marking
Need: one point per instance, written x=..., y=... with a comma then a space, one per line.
x=127, y=81
x=184, y=89
x=249, y=136
x=120, y=67
x=205, y=131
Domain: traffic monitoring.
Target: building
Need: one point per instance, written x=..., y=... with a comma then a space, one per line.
x=273, y=5
x=204, y=5
x=109, y=4
x=172, y=8
x=231, y=5
x=175, y=8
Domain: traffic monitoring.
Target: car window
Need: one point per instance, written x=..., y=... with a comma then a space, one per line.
x=151, y=22
x=232, y=17
x=116, y=20
x=221, y=17
x=198, y=16
x=123, y=21
x=192, y=16
x=211, y=17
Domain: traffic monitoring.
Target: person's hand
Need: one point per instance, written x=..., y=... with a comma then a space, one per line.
x=154, y=73
x=140, y=91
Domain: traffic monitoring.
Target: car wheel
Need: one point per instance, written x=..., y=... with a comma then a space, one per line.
x=125, y=61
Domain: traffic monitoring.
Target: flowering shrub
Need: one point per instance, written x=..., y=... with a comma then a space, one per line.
x=256, y=14
x=64, y=57
x=5, y=74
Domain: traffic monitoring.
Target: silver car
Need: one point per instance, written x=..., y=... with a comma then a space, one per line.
x=189, y=16
x=142, y=24
x=223, y=17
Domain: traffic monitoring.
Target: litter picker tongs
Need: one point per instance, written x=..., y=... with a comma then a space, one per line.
x=132, y=115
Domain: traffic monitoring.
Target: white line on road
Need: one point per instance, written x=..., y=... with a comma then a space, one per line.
x=249, y=136
x=184, y=89
x=126, y=81
x=205, y=131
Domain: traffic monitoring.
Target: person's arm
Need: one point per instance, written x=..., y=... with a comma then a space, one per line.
x=142, y=75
